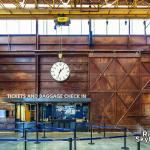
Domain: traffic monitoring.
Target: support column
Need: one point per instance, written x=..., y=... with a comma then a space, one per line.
x=129, y=32
x=15, y=115
x=37, y=114
x=37, y=123
x=37, y=35
x=37, y=62
x=145, y=33
x=37, y=75
x=42, y=105
x=20, y=112
x=90, y=34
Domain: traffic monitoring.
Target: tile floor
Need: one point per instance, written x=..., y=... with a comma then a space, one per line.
x=103, y=144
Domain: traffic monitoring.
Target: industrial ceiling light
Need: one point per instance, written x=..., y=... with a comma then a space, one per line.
x=108, y=4
x=65, y=4
x=22, y=4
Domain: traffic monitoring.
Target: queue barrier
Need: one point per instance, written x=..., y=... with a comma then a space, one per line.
x=70, y=140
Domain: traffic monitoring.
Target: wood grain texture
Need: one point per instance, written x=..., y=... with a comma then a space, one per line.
x=118, y=86
x=78, y=42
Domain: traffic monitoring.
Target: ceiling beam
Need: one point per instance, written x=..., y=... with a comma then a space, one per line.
x=74, y=13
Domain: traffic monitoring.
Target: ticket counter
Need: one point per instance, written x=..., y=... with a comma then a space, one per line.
x=59, y=112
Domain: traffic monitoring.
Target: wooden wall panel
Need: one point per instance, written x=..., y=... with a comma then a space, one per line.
x=4, y=39
x=102, y=107
x=23, y=39
x=49, y=40
x=148, y=40
x=18, y=68
x=64, y=47
x=4, y=48
x=65, y=39
x=16, y=85
x=102, y=89
x=74, y=87
x=77, y=42
x=137, y=40
x=111, y=47
x=115, y=86
x=19, y=60
x=23, y=48
x=78, y=60
x=145, y=109
x=145, y=72
x=17, y=75
x=145, y=75
x=139, y=47
x=118, y=84
x=110, y=40
x=146, y=104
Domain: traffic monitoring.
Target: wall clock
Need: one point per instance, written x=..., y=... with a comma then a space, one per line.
x=60, y=71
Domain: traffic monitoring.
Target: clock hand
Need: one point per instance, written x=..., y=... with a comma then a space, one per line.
x=60, y=71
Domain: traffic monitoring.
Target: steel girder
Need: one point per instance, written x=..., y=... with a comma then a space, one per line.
x=84, y=9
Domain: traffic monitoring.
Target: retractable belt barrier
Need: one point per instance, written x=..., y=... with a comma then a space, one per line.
x=44, y=128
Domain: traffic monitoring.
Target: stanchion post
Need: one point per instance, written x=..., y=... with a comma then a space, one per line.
x=91, y=138
x=70, y=143
x=125, y=140
x=52, y=123
x=138, y=145
x=37, y=136
x=23, y=130
x=99, y=129
x=16, y=125
x=44, y=134
x=75, y=136
x=104, y=130
x=25, y=140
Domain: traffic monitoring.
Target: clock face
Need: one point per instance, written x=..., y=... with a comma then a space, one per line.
x=60, y=71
